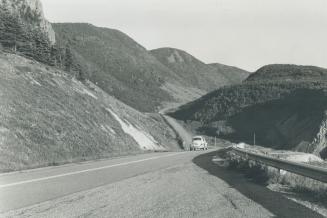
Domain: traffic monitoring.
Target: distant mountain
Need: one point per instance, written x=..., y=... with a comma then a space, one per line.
x=285, y=105
x=196, y=73
x=118, y=64
x=141, y=79
x=287, y=72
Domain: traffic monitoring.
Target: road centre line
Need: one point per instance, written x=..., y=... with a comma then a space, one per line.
x=84, y=171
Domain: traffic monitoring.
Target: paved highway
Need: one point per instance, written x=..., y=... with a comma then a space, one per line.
x=181, y=184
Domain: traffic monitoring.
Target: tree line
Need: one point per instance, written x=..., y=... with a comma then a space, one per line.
x=18, y=36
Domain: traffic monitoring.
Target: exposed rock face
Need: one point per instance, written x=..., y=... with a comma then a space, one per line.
x=319, y=145
x=31, y=11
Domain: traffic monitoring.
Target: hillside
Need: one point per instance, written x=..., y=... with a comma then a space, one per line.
x=284, y=114
x=139, y=78
x=118, y=64
x=196, y=73
x=48, y=117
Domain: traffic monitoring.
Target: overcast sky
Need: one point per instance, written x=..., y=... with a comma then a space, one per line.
x=243, y=33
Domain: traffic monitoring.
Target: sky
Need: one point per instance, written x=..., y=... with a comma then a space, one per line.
x=243, y=33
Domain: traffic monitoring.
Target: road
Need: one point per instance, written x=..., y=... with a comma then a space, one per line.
x=180, y=184
x=180, y=130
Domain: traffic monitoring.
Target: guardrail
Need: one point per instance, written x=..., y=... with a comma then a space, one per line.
x=313, y=172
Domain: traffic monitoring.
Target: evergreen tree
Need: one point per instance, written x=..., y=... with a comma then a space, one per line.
x=68, y=59
x=42, y=47
x=26, y=47
x=20, y=33
x=10, y=29
x=79, y=72
x=13, y=32
x=53, y=55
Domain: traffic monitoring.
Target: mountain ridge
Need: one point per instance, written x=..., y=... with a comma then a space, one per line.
x=193, y=70
x=140, y=79
x=288, y=71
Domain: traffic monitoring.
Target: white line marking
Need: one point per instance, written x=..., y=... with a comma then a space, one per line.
x=84, y=171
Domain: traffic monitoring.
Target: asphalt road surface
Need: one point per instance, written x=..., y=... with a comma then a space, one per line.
x=181, y=184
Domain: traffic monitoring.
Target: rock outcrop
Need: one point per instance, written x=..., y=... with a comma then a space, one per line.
x=31, y=11
x=319, y=144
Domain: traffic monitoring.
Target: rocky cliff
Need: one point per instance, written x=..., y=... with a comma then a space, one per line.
x=31, y=11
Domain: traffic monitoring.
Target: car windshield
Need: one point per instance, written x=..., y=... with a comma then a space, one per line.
x=197, y=139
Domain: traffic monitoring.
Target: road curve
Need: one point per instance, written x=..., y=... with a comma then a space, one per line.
x=184, y=135
x=181, y=184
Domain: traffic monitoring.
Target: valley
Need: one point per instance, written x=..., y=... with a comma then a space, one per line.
x=95, y=124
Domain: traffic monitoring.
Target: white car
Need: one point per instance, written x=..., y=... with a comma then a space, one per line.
x=198, y=143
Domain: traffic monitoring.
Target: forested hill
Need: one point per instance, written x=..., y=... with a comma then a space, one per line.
x=285, y=109
x=139, y=78
x=117, y=64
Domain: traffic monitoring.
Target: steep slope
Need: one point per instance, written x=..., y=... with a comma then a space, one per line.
x=118, y=64
x=196, y=73
x=285, y=114
x=48, y=117
x=144, y=80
